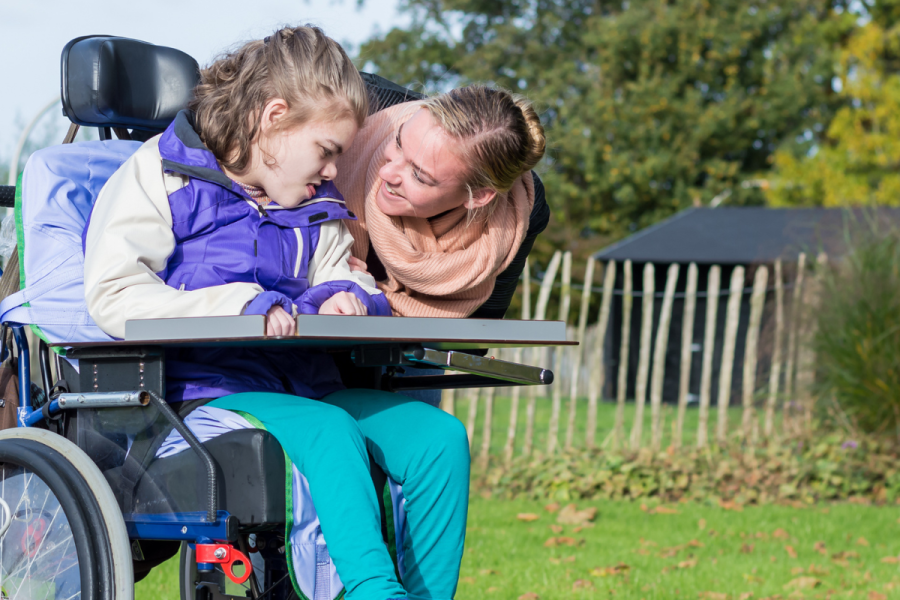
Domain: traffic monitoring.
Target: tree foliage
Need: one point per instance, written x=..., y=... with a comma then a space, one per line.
x=856, y=161
x=649, y=106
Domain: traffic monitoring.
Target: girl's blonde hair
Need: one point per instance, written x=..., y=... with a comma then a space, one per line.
x=500, y=134
x=301, y=65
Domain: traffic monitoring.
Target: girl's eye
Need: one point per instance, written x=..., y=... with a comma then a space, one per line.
x=326, y=153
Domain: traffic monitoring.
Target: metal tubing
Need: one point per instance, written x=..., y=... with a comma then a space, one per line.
x=36, y=416
x=44, y=357
x=484, y=366
x=103, y=399
x=24, y=375
x=196, y=446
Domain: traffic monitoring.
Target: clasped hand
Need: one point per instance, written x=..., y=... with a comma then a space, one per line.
x=280, y=323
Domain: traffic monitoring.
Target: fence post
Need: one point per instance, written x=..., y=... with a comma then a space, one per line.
x=560, y=351
x=517, y=358
x=624, y=349
x=447, y=402
x=687, y=341
x=540, y=310
x=709, y=342
x=775, y=372
x=659, y=357
x=488, y=423
x=806, y=357
x=757, y=301
x=726, y=370
x=597, y=374
x=578, y=351
x=640, y=386
x=793, y=328
x=473, y=414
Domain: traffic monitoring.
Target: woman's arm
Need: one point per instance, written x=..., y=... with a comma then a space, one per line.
x=498, y=302
x=129, y=240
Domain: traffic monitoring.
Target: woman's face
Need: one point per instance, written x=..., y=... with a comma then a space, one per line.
x=422, y=177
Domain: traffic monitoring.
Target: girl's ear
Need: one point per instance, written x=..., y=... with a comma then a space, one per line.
x=480, y=197
x=275, y=110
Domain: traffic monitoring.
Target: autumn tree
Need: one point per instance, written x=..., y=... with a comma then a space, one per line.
x=649, y=106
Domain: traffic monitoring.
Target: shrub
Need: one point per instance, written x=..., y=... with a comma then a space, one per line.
x=857, y=337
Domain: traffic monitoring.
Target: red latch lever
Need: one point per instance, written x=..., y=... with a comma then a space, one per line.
x=226, y=556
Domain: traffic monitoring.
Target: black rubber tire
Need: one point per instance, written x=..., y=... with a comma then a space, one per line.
x=58, y=475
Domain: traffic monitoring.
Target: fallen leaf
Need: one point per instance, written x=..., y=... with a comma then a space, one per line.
x=489, y=572
x=873, y=595
x=618, y=569
x=688, y=564
x=862, y=542
x=817, y=570
x=644, y=507
x=780, y=534
x=670, y=552
x=561, y=541
x=791, y=552
x=529, y=596
x=803, y=583
x=695, y=544
x=747, y=548
x=712, y=596
x=820, y=548
x=745, y=596
x=730, y=505
x=527, y=517
x=761, y=535
x=556, y=528
x=554, y=561
x=582, y=584
x=845, y=555
x=644, y=542
x=664, y=510
x=492, y=589
x=467, y=580
x=797, y=571
x=642, y=551
x=701, y=524
x=773, y=559
x=891, y=560
x=570, y=515
x=552, y=508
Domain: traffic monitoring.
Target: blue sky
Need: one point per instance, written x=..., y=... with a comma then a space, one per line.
x=33, y=33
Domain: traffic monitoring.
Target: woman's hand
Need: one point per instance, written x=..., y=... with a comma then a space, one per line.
x=279, y=322
x=343, y=303
x=358, y=265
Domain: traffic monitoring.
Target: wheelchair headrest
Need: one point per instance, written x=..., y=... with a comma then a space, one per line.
x=119, y=82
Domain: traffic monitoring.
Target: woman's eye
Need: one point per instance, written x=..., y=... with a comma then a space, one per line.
x=397, y=140
x=416, y=175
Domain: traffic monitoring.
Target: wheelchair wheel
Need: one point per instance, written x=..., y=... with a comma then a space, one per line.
x=61, y=534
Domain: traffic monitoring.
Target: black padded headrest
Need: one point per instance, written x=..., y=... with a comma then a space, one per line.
x=119, y=82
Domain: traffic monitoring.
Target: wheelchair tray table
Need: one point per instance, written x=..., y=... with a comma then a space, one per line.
x=374, y=341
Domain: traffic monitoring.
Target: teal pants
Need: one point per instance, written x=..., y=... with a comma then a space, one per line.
x=419, y=446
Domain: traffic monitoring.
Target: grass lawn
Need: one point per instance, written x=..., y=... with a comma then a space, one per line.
x=832, y=551
x=606, y=418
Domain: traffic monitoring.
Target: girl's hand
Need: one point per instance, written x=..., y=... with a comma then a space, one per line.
x=358, y=265
x=279, y=322
x=343, y=303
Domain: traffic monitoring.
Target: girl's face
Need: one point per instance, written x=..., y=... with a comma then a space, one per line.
x=422, y=177
x=299, y=158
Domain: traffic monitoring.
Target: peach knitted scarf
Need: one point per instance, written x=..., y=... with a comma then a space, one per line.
x=438, y=267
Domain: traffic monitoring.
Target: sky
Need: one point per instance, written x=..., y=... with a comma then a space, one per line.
x=33, y=33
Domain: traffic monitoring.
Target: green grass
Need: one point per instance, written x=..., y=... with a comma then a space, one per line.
x=606, y=415
x=737, y=553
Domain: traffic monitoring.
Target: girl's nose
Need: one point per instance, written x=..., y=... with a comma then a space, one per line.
x=329, y=171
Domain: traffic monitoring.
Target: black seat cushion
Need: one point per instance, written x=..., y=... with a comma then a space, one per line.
x=251, y=480
x=119, y=82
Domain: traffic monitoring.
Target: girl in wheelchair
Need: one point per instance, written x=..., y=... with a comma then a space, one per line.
x=230, y=211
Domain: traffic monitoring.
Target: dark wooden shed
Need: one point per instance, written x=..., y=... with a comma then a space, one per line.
x=728, y=237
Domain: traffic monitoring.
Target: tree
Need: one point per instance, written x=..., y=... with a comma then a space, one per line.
x=857, y=161
x=649, y=106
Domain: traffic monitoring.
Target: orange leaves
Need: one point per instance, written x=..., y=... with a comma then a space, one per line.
x=529, y=596
x=562, y=541
x=803, y=583
x=791, y=552
x=613, y=571
x=570, y=515
x=891, y=560
x=820, y=548
x=780, y=534
x=659, y=510
x=747, y=548
x=527, y=517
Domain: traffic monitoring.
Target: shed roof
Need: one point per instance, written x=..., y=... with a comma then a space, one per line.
x=747, y=235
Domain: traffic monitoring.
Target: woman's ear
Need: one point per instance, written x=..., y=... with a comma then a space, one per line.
x=480, y=197
x=275, y=110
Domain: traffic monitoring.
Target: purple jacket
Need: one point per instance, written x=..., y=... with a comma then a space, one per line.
x=222, y=236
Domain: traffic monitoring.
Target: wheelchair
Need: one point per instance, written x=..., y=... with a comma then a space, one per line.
x=86, y=505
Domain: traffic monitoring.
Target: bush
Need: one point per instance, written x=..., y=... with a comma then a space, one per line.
x=833, y=467
x=857, y=338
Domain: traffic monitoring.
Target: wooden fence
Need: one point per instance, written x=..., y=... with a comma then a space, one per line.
x=780, y=391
